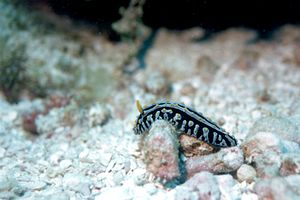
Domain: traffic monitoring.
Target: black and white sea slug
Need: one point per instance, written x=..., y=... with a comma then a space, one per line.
x=184, y=119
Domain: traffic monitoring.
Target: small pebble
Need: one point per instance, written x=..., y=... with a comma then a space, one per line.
x=64, y=164
x=246, y=173
x=83, y=156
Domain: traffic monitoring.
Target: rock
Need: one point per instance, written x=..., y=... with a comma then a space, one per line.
x=160, y=149
x=267, y=165
x=264, y=149
x=225, y=161
x=260, y=142
x=290, y=164
x=201, y=186
x=246, y=173
x=279, y=188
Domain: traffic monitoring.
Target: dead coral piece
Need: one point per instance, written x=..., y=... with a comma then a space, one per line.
x=201, y=186
x=194, y=147
x=225, y=161
x=279, y=188
x=160, y=148
x=28, y=122
x=290, y=164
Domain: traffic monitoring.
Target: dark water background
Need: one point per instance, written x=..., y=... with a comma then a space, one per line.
x=213, y=15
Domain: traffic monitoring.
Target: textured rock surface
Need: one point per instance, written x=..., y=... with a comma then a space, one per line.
x=161, y=149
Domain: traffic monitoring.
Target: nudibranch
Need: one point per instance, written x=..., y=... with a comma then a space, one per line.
x=185, y=120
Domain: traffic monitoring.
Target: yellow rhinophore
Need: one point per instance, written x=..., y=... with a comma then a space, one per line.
x=139, y=106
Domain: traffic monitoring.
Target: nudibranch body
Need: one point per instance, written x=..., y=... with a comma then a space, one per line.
x=184, y=119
